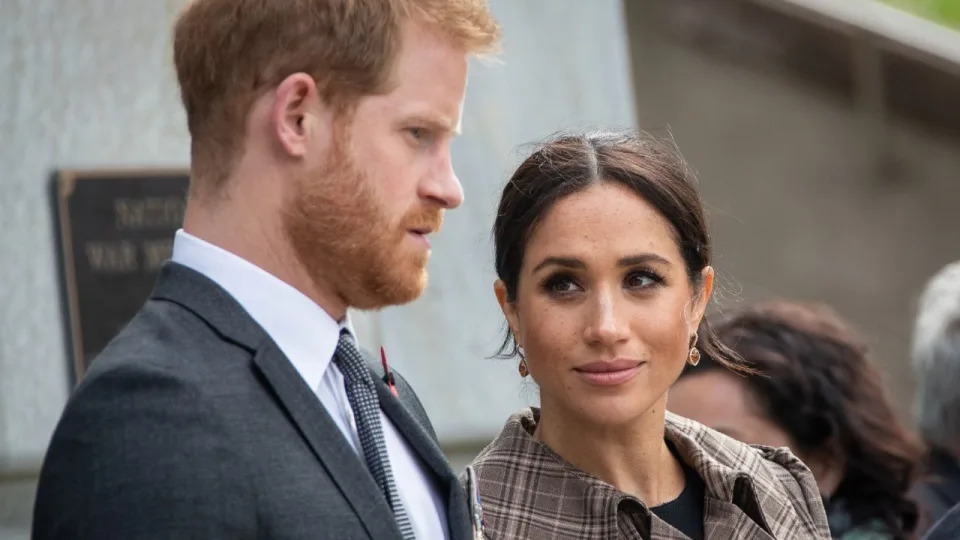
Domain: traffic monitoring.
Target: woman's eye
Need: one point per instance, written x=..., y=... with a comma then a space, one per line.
x=559, y=285
x=643, y=280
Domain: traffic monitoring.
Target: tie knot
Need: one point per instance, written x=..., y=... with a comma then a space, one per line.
x=350, y=361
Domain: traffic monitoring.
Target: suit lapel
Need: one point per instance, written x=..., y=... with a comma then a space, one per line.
x=326, y=441
x=413, y=432
x=210, y=302
x=458, y=516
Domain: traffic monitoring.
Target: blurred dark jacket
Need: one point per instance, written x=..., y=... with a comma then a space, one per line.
x=948, y=528
x=939, y=488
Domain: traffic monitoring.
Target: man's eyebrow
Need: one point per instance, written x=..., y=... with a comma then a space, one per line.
x=433, y=123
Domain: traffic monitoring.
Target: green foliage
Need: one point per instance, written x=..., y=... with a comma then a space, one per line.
x=946, y=12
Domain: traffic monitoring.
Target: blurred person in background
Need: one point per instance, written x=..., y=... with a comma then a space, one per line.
x=603, y=259
x=815, y=392
x=936, y=365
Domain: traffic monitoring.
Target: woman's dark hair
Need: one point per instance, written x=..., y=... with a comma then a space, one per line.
x=812, y=378
x=570, y=163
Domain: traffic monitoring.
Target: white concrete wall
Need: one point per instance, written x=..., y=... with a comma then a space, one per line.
x=82, y=85
x=795, y=198
x=89, y=85
x=565, y=64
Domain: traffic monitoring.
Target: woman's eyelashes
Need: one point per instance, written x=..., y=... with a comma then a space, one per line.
x=562, y=284
x=643, y=279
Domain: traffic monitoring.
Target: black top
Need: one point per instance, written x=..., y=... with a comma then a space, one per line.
x=685, y=513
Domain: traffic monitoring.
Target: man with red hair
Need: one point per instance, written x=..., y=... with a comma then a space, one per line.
x=236, y=404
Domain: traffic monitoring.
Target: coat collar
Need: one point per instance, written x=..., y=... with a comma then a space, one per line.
x=764, y=483
x=744, y=496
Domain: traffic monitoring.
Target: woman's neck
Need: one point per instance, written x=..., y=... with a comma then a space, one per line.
x=632, y=457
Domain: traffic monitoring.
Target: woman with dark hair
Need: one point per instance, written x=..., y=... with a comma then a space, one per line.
x=603, y=260
x=815, y=392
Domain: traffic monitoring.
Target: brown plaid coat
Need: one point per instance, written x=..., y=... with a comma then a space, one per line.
x=529, y=492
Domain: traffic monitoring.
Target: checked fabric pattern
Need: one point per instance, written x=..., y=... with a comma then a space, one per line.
x=366, y=411
x=751, y=492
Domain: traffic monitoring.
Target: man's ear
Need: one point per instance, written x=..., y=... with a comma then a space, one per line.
x=296, y=112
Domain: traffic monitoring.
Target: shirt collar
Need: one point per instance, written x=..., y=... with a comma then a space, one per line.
x=303, y=331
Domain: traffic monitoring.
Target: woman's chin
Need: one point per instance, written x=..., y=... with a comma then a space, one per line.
x=615, y=411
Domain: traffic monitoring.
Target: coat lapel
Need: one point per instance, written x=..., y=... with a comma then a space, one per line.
x=726, y=521
x=458, y=516
x=327, y=443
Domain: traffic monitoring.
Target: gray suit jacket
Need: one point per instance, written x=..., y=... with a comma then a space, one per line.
x=193, y=424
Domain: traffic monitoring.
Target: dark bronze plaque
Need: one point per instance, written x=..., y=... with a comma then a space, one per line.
x=116, y=231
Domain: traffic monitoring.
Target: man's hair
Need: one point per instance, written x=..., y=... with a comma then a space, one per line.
x=227, y=53
x=936, y=360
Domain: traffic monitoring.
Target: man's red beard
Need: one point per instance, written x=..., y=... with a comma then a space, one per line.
x=347, y=243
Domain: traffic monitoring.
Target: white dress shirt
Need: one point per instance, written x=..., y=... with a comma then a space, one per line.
x=308, y=336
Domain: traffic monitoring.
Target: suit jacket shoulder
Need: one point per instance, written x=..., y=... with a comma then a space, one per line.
x=142, y=397
x=193, y=424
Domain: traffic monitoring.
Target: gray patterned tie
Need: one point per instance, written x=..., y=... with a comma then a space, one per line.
x=366, y=411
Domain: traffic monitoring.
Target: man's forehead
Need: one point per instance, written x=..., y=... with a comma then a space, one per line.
x=431, y=77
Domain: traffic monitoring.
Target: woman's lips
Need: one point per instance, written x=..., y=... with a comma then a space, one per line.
x=609, y=373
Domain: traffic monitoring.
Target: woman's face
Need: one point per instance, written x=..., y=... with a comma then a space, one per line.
x=604, y=310
x=721, y=400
